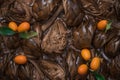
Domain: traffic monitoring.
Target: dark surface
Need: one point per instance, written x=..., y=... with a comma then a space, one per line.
x=64, y=27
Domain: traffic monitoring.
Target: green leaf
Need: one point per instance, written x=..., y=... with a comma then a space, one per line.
x=6, y=31
x=98, y=76
x=108, y=26
x=27, y=35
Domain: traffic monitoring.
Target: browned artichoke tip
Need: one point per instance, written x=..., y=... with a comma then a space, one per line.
x=43, y=10
x=71, y=59
x=112, y=47
x=83, y=34
x=117, y=9
x=30, y=70
x=30, y=47
x=73, y=12
x=101, y=9
x=115, y=68
x=12, y=42
x=116, y=25
x=99, y=40
x=102, y=37
x=18, y=12
x=52, y=70
x=55, y=39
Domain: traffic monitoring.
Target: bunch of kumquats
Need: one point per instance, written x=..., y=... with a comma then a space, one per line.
x=93, y=64
x=23, y=30
x=24, y=26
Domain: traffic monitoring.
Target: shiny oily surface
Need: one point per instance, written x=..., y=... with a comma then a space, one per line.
x=64, y=28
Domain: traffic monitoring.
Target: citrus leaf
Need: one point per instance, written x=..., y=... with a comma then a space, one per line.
x=27, y=35
x=6, y=31
x=98, y=76
x=108, y=26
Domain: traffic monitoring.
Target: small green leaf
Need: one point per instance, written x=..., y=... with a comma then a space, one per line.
x=98, y=76
x=108, y=26
x=6, y=31
x=27, y=35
